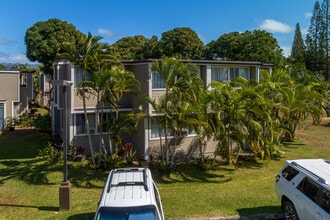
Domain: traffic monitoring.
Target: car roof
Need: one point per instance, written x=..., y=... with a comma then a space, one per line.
x=319, y=169
x=129, y=187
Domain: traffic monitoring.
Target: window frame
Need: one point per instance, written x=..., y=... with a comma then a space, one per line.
x=158, y=82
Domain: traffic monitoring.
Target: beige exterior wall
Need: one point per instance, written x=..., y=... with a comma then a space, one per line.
x=9, y=92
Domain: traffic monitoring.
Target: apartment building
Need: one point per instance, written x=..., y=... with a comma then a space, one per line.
x=16, y=91
x=68, y=120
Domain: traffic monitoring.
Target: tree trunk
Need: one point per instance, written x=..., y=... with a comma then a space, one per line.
x=88, y=128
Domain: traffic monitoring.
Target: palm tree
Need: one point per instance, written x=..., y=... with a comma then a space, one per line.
x=228, y=116
x=200, y=118
x=183, y=95
x=182, y=84
x=118, y=82
x=85, y=57
x=292, y=102
x=168, y=70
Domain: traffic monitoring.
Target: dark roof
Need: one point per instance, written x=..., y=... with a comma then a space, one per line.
x=220, y=62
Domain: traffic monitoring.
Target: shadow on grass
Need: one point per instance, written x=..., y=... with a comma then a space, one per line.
x=41, y=208
x=189, y=173
x=262, y=212
x=32, y=171
x=20, y=144
x=82, y=175
x=82, y=216
x=35, y=172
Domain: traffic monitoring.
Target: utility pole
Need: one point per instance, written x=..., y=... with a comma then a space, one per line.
x=65, y=200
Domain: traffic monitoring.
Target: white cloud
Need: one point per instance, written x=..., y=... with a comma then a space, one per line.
x=304, y=31
x=19, y=58
x=106, y=32
x=308, y=14
x=5, y=41
x=275, y=26
x=13, y=58
x=286, y=50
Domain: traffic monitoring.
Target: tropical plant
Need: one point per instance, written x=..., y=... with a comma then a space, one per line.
x=11, y=122
x=86, y=56
x=182, y=85
x=229, y=115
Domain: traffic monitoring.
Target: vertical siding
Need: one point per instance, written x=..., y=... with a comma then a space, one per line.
x=9, y=91
x=141, y=72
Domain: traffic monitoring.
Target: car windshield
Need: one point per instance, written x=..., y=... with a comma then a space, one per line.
x=127, y=213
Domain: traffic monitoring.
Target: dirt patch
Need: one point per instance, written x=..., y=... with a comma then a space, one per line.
x=315, y=135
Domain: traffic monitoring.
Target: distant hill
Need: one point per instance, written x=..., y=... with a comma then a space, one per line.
x=9, y=66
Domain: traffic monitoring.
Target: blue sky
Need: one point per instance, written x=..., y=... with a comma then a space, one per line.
x=115, y=19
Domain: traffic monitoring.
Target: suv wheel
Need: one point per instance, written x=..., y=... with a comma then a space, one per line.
x=289, y=211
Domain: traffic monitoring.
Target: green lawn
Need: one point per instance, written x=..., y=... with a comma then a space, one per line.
x=29, y=185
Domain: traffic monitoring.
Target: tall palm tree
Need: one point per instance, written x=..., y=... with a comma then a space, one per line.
x=118, y=83
x=182, y=84
x=168, y=70
x=85, y=57
x=200, y=119
x=226, y=117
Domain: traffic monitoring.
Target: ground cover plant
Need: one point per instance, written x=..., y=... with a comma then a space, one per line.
x=29, y=183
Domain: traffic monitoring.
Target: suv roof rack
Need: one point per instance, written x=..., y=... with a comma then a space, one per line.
x=320, y=179
x=129, y=183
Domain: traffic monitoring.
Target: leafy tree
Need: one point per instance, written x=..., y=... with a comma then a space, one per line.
x=300, y=74
x=248, y=46
x=43, y=40
x=129, y=48
x=182, y=43
x=298, y=47
x=150, y=49
x=2, y=67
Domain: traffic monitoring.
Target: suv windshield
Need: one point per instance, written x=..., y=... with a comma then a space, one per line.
x=128, y=213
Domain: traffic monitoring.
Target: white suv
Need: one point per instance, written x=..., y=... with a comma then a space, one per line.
x=303, y=186
x=130, y=193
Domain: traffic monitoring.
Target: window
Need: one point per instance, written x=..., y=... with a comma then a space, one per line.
x=2, y=121
x=224, y=74
x=241, y=71
x=79, y=76
x=325, y=200
x=108, y=120
x=244, y=72
x=158, y=81
x=289, y=173
x=156, y=129
x=81, y=124
x=309, y=188
x=219, y=74
x=23, y=79
x=147, y=212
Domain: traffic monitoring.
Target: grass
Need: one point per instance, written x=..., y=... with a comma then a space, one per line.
x=30, y=185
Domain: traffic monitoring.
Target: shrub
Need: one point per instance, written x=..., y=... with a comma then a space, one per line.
x=43, y=123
